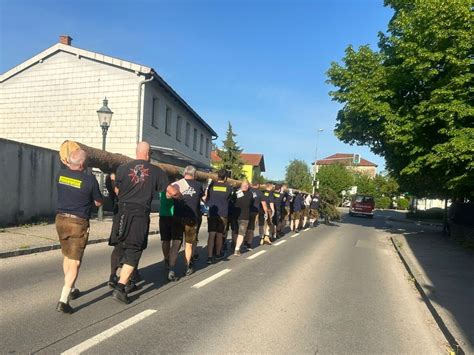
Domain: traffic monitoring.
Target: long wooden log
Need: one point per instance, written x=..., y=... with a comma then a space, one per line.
x=109, y=162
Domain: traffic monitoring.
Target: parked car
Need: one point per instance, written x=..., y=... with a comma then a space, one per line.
x=362, y=205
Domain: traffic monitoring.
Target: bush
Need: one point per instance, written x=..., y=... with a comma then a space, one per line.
x=403, y=204
x=432, y=213
x=383, y=202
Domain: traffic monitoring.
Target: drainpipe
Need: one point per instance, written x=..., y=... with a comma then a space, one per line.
x=139, y=109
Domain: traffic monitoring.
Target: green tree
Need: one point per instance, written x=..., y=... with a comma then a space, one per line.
x=230, y=155
x=365, y=185
x=411, y=101
x=386, y=185
x=298, y=175
x=335, y=176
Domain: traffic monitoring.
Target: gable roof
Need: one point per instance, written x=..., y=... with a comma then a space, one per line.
x=344, y=159
x=116, y=62
x=254, y=159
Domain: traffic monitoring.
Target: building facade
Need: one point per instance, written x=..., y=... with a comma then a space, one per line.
x=254, y=164
x=54, y=96
x=363, y=166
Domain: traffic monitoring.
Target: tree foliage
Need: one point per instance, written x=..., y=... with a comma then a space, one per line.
x=230, y=155
x=411, y=101
x=335, y=176
x=298, y=175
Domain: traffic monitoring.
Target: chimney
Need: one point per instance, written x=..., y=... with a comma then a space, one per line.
x=65, y=39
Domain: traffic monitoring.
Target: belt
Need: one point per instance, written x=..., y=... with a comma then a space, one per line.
x=70, y=216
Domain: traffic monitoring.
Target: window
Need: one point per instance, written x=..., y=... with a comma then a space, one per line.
x=195, y=139
x=207, y=148
x=178, y=128
x=188, y=134
x=201, y=144
x=155, y=110
x=168, y=121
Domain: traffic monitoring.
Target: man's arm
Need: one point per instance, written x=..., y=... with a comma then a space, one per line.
x=96, y=195
x=264, y=205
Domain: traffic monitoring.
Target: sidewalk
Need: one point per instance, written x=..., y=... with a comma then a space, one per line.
x=29, y=239
x=445, y=272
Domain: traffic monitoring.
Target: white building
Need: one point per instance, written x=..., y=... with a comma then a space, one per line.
x=54, y=96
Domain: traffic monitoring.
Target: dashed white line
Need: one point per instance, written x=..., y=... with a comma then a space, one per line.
x=294, y=235
x=253, y=256
x=307, y=229
x=89, y=343
x=280, y=242
x=210, y=279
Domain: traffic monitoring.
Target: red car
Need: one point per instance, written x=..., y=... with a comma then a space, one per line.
x=362, y=205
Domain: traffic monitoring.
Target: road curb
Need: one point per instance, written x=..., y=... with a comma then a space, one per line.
x=456, y=349
x=34, y=250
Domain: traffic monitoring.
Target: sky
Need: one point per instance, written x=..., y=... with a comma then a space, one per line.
x=260, y=65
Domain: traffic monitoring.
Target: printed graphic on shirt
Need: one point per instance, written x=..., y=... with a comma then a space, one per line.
x=139, y=174
x=64, y=180
x=219, y=188
x=190, y=191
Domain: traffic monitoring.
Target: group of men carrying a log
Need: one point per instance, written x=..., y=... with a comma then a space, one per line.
x=133, y=186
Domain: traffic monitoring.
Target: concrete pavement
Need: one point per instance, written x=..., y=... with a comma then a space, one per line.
x=332, y=289
x=444, y=270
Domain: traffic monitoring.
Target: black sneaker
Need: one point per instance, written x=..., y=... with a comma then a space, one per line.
x=172, y=276
x=64, y=308
x=248, y=246
x=131, y=287
x=120, y=296
x=189, y=270
x=209, y=260
x=220, y=256
x=75, y=293
x=113, y=279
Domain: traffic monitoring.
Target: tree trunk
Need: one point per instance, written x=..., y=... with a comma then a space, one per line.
x=109, y=162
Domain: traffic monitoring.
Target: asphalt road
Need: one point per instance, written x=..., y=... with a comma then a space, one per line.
x=332, y=289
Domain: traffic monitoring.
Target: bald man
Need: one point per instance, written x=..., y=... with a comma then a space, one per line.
x=135, y=185
x=77, y=193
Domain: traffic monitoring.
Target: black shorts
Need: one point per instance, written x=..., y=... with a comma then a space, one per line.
x=166, y=229
x=252, y=221
x=276, y=217
x=216, y=224
x=131, y=256
x=261, y=219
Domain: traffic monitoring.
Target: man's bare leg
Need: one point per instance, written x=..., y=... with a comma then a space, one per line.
x=210, y=244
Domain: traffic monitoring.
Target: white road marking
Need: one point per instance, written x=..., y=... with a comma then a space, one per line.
x=210, y=279
x=295, y=235
x=280, y=242
x=253, y=256
x=89, y=343
x=307, y=229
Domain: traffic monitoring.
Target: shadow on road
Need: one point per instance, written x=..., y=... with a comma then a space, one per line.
x=449, y=268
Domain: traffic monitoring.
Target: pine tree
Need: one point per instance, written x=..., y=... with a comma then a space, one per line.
x=230, y=155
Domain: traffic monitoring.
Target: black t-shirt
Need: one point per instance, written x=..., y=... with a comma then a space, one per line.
x=298, y=203
x=137, y=181
x=257, y=201
x=314, y=203
x=76, y=193
x=242, y=203
x=218, y=199
x=268, y=198
x=189, y=205
x=278, y=201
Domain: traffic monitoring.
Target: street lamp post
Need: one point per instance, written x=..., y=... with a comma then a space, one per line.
x=105, y=118
x=315, y=181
